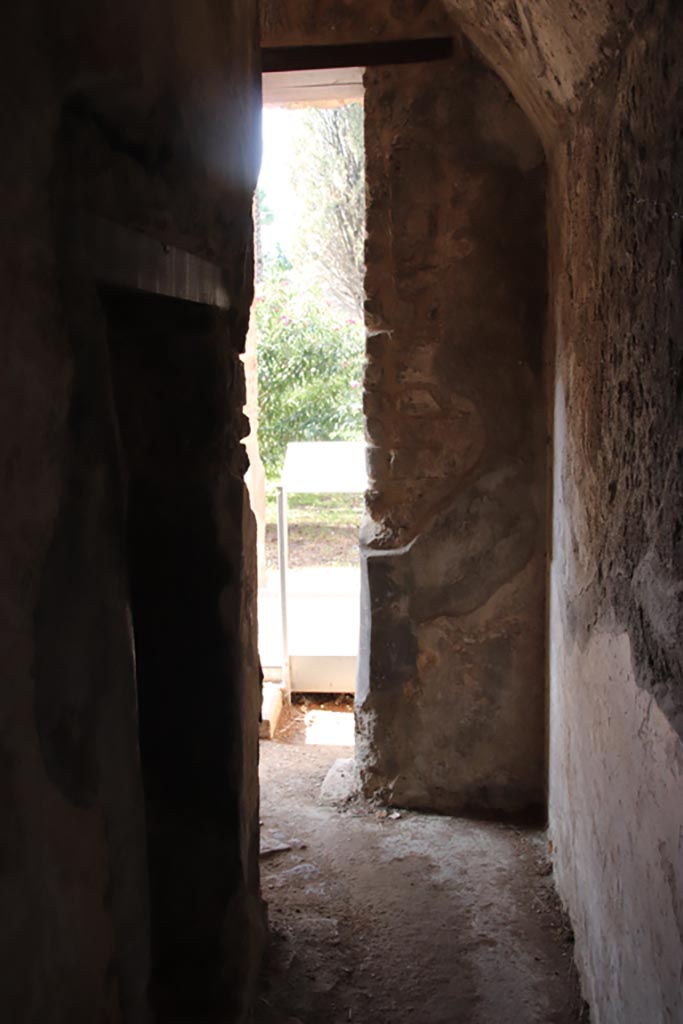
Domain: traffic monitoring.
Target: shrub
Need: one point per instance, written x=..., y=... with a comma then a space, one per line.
x=310, y=365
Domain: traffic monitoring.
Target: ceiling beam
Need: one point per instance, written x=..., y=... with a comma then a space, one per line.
x=346, y=55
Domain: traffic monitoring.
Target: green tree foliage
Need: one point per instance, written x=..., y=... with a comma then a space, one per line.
x=329, y=183
x=310, y=345
x=309, y=372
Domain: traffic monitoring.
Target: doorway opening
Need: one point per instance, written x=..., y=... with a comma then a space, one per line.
x=305, y=358
x=373, y=890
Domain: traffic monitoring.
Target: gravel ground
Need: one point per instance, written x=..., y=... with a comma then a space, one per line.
x=379, y=918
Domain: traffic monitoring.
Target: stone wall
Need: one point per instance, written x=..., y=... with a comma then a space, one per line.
x=602, y=85
x=599, y=82
x=128, y=113
x=451, y=702
x=551, y=53
x=617, y=585
x=335, y=22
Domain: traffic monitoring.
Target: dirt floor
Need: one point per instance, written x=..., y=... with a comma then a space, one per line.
x=384, y=917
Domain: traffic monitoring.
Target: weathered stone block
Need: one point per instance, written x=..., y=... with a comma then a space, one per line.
x=452, y=657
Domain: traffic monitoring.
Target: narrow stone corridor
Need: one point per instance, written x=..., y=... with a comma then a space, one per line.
x=521, y=551
x=386, y=917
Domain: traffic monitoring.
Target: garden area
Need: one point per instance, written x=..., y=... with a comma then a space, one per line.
x=323, y=529
x=308, y=314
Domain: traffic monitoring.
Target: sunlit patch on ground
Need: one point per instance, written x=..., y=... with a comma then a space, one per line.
x=317, y=720
x=329, y=728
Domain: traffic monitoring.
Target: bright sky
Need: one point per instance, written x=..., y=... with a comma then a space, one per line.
x=275, y=177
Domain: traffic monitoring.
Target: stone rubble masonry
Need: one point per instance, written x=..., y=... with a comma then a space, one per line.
x=616, y=806
x=451, y=697
x=336, y=22
x=602, y=84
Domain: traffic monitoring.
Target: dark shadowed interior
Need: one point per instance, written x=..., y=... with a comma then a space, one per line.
x=522, y=547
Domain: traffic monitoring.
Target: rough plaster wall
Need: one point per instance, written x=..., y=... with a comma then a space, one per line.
x=616, y=825
x=73, y=890
x=127, y=112
x=329, y=22
x=617, y=613
x=604, y=76
x=549, y=52
x=450, y=703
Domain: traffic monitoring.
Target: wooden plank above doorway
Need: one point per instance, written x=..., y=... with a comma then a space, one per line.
x=351, y=55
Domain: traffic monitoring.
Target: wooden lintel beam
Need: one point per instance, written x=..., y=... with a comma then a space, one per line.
x=120, y=257
x=350, y=55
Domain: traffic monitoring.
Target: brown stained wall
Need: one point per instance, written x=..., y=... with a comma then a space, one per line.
x=451, y=685
x=603, y=85
x=551, y=53
x=130, y=110
x=329, y=22
x=127, y=111
x=600, y=83
x=617, y=614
